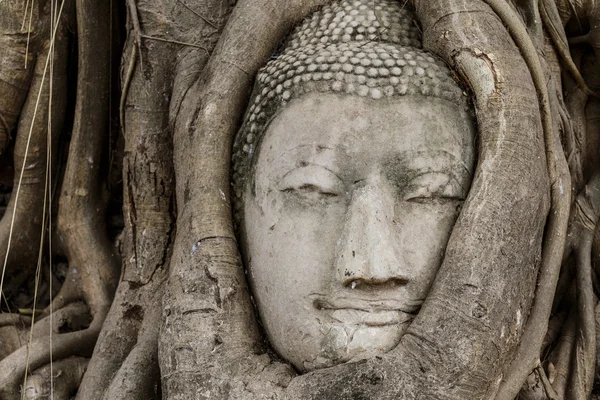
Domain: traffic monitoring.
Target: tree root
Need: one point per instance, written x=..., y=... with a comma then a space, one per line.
x=70, y=292
x=204, y=214
x=21, y=224
x=38, y=352
x=573, y=128
x=125, y=359
x=138, y=375
x=81, y=217
x=527, y=355
x=550, y=392
x=73, y=317
x=560, y=356
x=66, y=377
x=11, y=339
x=125, y=362
x=559, y=319
x=81, y=221
x=9, y=319
x=551, y=19
x=585, y=216
x=530, y=12
x=15, y=77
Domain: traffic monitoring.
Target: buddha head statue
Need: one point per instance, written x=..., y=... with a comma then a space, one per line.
x=349, y=171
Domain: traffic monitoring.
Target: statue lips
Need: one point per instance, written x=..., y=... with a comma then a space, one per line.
x=370, y=318
x=372, y=313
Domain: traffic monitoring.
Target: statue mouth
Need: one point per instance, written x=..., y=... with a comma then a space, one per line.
x=371, y=313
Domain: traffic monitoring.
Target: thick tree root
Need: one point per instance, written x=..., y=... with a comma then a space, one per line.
x=9, y=319
x=21, y=224
x=527, y=356
x=38, y=353
x=204, y=229
x=70, y=292
x=551, y=19
x=81, y=220
x=562, y=355
x=66, y=377
x=138, y=375
x=15, y=72
x=125, y=362
x=82, y=209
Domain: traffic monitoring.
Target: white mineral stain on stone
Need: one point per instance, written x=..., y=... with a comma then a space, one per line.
x=499, y=380
x=562, y=189
x=210, y=109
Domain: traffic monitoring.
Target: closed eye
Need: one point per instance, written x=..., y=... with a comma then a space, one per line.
x=312, y=179
x=434, y=199
x=434, y=186
x=310, y=188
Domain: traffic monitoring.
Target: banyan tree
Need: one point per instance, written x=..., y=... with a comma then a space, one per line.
x=304, y=199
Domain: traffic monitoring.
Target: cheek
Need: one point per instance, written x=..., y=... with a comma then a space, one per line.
x=423, y=232
x=290, y=248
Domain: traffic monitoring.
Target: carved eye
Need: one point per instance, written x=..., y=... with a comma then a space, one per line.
x=312, y=180
x=434, y=186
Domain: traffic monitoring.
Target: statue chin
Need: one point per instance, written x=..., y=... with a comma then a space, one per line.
x=346, y=220
x=353, y=343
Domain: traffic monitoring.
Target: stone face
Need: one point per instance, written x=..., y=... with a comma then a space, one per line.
x=346, y=220
x=349, y=171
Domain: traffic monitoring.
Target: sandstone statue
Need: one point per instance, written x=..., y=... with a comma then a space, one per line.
x=345, y=199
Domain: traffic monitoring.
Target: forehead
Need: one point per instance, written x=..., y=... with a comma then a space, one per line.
x=357, y=129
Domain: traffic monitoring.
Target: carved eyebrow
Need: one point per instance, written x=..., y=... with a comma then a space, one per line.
x=447, y=154
x=293, y=154
x=304, y=164
x=410, y=167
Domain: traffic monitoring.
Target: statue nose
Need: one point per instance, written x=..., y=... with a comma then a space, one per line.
x=367, y=252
